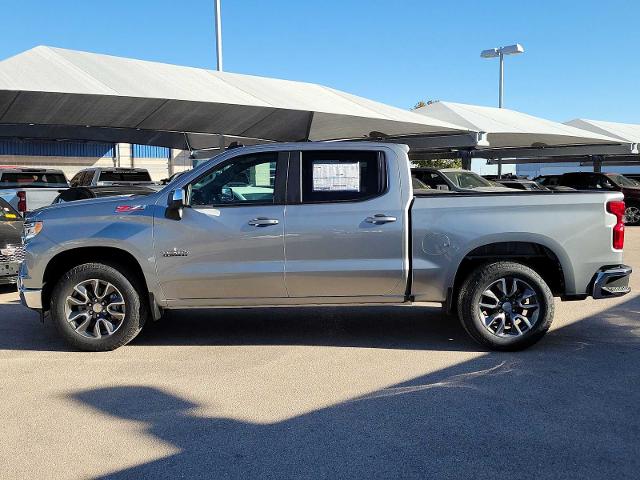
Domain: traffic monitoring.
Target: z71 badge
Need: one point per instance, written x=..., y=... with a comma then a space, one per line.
x=129, y=208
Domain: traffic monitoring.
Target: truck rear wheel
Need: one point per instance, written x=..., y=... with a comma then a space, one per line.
x=96, y=307
x=505, y=306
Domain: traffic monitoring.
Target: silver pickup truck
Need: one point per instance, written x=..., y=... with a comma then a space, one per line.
x=320, y=224
x=27, y=189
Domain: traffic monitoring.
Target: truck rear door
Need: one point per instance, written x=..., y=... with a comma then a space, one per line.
x=344, y=225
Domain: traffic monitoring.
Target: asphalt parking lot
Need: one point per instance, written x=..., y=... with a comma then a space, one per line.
x=325, y=393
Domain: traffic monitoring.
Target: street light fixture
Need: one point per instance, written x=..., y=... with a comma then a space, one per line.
x=500, y=53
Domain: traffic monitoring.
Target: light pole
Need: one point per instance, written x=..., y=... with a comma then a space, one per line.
x=500, y=53
x=218, y=21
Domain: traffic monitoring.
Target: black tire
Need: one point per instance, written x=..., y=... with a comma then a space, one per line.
x=136, y=311
x=632, y=214
x=472, y=319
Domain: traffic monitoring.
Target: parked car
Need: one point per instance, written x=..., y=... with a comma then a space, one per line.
x=551, y=182
x=11, y=250
x=354, y=232
x=103, y=176
x=633, y=176
x=455, y=179
x=27, y=189
x=520, y=184
x=611, y=182
x=82, y=193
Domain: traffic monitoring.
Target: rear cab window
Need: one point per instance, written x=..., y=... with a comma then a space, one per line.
x=342, y=176
x=32, y=180
x=124, y=176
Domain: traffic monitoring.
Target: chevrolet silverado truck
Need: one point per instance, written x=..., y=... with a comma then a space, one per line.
x=320, y=224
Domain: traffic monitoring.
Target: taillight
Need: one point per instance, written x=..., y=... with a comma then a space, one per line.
x=617, y=208
x=22, y=202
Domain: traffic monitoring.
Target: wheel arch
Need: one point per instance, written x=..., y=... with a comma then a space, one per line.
x=64, y=261
x=551, y=264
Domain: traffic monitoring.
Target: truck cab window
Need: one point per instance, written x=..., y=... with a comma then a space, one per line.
x=245, y=180
x=339, y=176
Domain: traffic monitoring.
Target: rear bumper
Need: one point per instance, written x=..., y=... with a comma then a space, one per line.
x=611, y=281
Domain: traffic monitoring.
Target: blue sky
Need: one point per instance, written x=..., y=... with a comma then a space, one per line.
x=582, y=57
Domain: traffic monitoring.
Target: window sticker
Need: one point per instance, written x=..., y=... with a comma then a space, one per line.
x=336, y=176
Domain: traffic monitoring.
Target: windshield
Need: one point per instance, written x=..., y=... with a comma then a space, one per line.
x=623, y=181
x=33, y=179
x=467, y=179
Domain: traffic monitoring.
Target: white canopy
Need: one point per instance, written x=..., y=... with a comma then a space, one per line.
x=116, y=97
x=508, y=128
x=628, y=132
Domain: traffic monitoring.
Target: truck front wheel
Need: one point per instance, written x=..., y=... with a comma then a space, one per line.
x=96, y=307
x=505, y=306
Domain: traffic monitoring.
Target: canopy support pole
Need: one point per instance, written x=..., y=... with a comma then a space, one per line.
x=597, y=163
x=465, y=156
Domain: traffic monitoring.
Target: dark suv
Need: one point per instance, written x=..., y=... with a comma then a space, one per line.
x=608, y=182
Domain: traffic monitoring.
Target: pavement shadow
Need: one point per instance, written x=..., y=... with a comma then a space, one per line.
x=567, y=408
x=401, y=327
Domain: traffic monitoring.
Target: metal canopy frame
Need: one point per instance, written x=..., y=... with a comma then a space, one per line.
x=515, y=155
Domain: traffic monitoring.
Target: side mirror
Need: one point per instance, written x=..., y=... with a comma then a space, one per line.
x=175, y=205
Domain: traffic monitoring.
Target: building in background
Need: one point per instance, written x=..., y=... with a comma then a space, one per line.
x=71, y=157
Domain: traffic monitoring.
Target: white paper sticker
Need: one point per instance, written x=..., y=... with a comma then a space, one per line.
x=335, y=176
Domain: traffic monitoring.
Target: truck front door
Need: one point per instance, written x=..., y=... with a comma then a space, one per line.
x=345, y=226
x=229, y=243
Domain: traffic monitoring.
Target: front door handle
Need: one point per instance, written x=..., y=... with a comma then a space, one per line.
x=380, y=218
x=263, y=222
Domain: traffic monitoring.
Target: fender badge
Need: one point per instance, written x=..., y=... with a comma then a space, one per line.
x=129, y=208
x=175, y=253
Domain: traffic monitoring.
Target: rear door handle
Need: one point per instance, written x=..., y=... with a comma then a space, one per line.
x=380, y=218
x=263, y=222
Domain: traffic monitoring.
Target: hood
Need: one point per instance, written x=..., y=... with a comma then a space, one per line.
x=92, y=206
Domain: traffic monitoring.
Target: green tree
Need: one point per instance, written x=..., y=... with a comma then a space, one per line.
x=422, y=103
x=439, y=163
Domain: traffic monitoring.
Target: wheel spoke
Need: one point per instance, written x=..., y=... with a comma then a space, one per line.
x=523, y=319
x=488, y=293
x=108, y=288
x=76, y=301
x=82, y=328
x=502, y=285
x=77, y=316
x=515, y=325
x=82, y=291
x=500, y=330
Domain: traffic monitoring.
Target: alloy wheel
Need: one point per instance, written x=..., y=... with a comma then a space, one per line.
x=95, y=308
x=509, y=307
x=632, y=215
